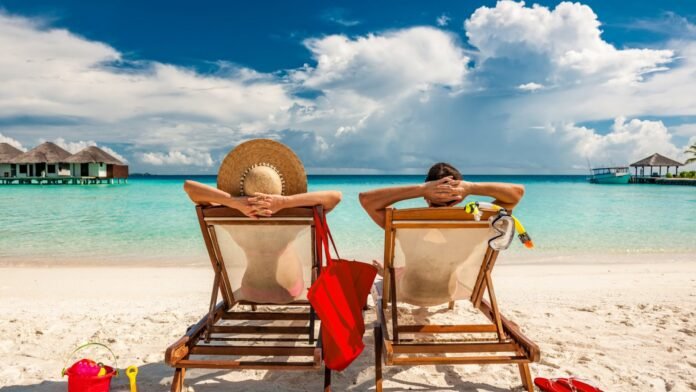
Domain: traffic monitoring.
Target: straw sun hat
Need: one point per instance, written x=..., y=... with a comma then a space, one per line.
x=263, y=166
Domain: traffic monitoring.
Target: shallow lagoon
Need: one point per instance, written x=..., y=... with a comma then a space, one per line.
x=150, y=218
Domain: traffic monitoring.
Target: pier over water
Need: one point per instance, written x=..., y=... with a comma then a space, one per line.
x=662, y=180
x=60, y=180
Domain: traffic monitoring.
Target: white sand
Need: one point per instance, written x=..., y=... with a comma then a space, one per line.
x=627, y=324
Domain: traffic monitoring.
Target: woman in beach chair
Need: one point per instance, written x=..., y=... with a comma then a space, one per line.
x=258, y=228
x=436, y=256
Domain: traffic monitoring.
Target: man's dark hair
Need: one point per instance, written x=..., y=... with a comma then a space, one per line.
x=442, y=170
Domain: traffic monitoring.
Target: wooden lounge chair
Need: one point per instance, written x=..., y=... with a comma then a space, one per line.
x=236, y=333
x=435, y=256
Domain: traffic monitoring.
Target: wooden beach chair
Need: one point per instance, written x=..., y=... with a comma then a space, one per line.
x=249, y=329
x=435, y=256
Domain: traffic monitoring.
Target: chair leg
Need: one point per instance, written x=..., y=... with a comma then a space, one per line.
x=526, y=376
x=327, y=379
x=378, y=358
x=450, y=305
x=178, y=380
x=312, y=318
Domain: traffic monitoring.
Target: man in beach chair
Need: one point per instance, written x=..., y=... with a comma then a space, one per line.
x=258, y=228
x=435, y=256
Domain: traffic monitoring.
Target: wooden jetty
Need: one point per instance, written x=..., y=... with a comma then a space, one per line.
x=60, y=180
x=662, y=180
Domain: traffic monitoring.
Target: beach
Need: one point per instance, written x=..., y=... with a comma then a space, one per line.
x=625, y=322
x=535, y=161
x=608, y=292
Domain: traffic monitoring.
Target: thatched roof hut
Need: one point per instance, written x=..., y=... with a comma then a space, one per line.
x=656, y=160
x=94, y=154
x=44, y=153
x=8, y=152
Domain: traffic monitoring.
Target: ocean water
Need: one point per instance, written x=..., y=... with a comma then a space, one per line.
x=151, y=219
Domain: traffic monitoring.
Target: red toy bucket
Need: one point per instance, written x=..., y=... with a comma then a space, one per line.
x=81, y=383
x=86, y=375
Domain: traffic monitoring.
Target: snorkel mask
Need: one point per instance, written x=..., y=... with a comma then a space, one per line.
x=504, y=223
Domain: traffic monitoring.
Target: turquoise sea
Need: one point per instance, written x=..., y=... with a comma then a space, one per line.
x=151, y=219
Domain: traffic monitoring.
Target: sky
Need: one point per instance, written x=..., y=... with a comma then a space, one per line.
x=353, y=87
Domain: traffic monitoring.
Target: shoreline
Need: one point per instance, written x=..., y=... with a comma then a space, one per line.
x=517, y=258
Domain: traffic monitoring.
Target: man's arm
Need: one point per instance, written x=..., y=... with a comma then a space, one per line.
x=376, y=201
x=505, y=195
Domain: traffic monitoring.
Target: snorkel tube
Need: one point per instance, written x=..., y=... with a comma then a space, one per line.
x=474, y=208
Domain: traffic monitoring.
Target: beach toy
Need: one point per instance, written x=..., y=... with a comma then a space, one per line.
x=132, y=373
x=87, y=375
x=474, y=208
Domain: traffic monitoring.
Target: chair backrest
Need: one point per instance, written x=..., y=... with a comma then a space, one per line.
x=267, y=260
x=438, y=255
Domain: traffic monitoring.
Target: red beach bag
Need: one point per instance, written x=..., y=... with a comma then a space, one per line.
x=339, y=296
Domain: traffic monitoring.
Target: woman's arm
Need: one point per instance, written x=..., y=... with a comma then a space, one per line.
x=207, y=195
x=376, y=201
x=505, y=195
x=270, y=204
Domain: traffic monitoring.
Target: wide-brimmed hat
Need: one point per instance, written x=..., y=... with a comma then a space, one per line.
x=264, y=166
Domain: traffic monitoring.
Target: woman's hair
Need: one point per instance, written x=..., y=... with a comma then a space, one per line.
x=442, y=170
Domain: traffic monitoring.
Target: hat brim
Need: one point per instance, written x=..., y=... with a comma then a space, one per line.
x=257, y=151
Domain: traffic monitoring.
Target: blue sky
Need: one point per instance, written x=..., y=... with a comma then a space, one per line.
x=354, y=87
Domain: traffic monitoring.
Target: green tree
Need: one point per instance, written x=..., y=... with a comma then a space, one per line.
x=691, y=150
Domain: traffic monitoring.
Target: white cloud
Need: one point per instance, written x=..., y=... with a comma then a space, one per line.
x=531, y=86
x=345, y=22
x=568, y=38
x=114, y=154
x=628, y=141
x=74, y=147
x=343, y=130
x=392, y=101
x=688, y=130
x=187, y=158
x=87, y=90
x=12, y=142
x=443, y=20
x=392, y=63
x=339, y=16
x=669, y=23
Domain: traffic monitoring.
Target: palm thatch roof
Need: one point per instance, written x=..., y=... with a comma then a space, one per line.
x=7, y=152
x=43, y=153
x=93, y=154
x=657, y=160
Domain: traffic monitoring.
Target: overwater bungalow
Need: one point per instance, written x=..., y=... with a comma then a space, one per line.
x=45, y=160
x=95, y=162
x=48, y=163
x=7, y=153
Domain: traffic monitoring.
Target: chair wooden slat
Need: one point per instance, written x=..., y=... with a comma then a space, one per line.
x=413, y=352
x=270, y=341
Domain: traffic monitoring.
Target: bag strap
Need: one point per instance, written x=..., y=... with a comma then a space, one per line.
x=328, y=232
x=321, y=240
x=323, y=234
